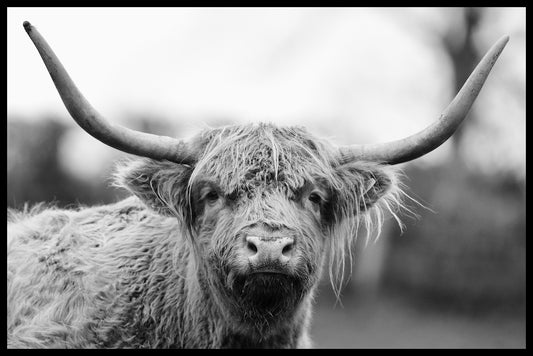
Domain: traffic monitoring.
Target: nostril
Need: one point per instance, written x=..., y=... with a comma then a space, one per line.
x=287, y=249
x=251, y=247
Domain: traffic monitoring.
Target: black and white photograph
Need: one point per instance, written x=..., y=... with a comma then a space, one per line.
x=266, y=177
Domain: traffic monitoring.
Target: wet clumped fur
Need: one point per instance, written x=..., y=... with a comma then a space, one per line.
x=164, y=268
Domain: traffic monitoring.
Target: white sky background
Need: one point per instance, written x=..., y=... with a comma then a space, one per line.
x=357, y=75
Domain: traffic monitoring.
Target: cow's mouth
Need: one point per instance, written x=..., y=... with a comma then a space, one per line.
x=268, y=292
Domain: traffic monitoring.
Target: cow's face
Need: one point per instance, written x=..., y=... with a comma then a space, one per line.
x=263, y=206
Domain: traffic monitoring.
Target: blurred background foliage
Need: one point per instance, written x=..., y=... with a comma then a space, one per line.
x=455, y=277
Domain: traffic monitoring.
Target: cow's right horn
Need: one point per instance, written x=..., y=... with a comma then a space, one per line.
x=433, y=136
x=121, y=138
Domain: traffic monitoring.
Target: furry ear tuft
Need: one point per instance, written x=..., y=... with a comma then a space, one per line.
x=364, y=184
x=161, y=185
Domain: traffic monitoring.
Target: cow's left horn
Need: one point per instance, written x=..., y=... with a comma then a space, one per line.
x=433, y=136
x=121, y=138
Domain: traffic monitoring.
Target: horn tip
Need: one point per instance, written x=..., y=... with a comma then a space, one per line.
x=502, y=42
x=27, y=26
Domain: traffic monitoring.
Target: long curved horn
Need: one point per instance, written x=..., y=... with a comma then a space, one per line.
x=433, y=136
x=121, y=138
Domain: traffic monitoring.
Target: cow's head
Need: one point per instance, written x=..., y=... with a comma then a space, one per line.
x=264, y=205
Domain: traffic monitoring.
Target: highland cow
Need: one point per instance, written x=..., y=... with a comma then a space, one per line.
x=222, y=242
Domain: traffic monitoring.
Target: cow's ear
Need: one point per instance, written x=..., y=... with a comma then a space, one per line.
x=161, y=185
x=364, y=184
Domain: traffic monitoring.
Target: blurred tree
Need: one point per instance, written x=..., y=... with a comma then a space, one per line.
x=460, y=45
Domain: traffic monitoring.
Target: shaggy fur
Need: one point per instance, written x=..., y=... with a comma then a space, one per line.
x=165, y=268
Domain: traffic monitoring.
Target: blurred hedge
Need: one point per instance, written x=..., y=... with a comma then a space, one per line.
x=468, y=253
x=34, y=173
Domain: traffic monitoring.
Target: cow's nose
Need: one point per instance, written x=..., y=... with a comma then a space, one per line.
x=269, y=249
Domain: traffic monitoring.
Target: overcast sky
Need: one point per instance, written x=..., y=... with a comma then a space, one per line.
x=358, y=75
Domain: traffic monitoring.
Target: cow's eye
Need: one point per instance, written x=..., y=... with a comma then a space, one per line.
x=315, y=198
x=211, y=197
